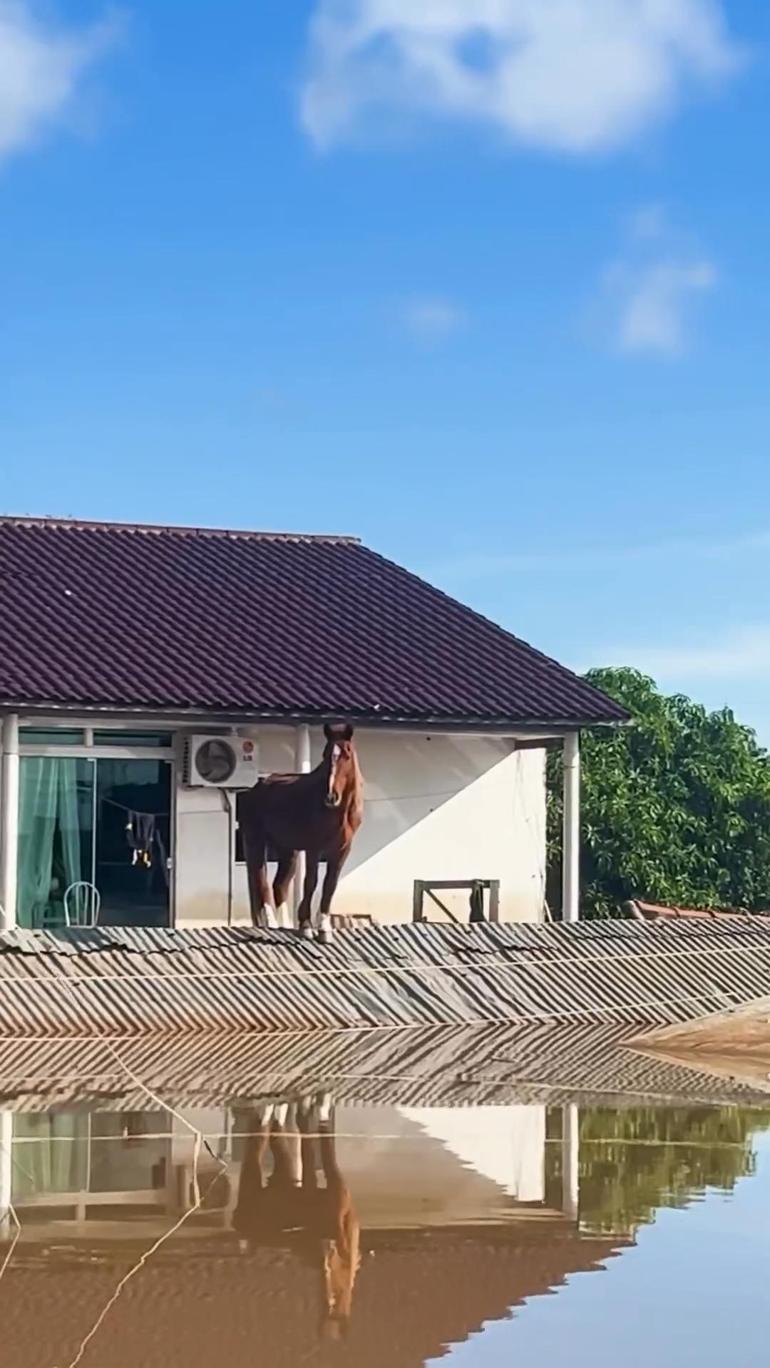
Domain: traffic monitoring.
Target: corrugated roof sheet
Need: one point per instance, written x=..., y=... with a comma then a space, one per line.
x=491, y=1065
x=125, y=982
x=103, y=615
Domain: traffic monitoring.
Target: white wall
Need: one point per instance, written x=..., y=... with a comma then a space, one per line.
x=437, y=807
x=413, y=1166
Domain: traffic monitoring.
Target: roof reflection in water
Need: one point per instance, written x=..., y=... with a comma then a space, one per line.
x=393, y=1227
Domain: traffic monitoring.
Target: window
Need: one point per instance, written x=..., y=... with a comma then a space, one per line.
x=54, y=736
x=132, y=738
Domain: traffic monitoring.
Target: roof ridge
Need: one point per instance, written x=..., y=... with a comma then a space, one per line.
x=177, y=529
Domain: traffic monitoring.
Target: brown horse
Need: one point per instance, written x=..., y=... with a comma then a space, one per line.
x=319, y=813
x=290, y=1208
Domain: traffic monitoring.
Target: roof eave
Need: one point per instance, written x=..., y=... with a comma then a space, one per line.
x=237, y=715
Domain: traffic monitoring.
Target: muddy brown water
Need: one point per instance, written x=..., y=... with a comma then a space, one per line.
x=372, y=1236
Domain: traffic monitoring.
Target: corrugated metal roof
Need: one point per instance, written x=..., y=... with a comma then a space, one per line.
x=492, y=1065
x=124, y=982
x=360, y=636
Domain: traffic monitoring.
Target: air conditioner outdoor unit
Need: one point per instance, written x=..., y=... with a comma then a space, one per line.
x=220, y=762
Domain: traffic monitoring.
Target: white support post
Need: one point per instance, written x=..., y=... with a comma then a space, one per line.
x=6, y=1173
x=570, y=901
x=9, y=831
x=302, y=766
x=570, y=1161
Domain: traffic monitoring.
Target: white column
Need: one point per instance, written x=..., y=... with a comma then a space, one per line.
x=302, y=766
x=570, y=855
x=302, y=749
x=570, y=1161
x=9, y=832
x=6, y=1170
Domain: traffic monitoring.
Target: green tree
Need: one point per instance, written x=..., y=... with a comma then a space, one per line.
x=635, y=1160
x=675, y=806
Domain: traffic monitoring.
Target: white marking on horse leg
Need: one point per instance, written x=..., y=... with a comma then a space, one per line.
x=325, y=930
x=325, y=1102
x=265, y=1113
x=284, y=917
x=306, y=930
x=267, y=919
x=280, y=1113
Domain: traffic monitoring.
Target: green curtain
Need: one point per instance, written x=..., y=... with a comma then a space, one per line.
x=48, y=806
x=50, y=1153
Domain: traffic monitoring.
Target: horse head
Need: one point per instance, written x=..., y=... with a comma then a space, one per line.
x=339, y=762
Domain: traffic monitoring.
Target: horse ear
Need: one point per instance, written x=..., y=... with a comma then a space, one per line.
x=347, y=732
x=328, y=731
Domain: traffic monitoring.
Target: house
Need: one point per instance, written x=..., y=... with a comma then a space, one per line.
x=149, y=673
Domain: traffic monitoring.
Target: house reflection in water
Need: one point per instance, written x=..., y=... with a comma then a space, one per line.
x=457, y=1215
x=444, y=1209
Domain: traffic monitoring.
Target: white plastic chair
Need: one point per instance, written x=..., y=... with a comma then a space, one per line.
x=82, y=902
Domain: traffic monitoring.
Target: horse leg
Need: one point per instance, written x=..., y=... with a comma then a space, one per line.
x=255, y=850
x=305, y=915
x=342, y=1257
x=246, y=1217
x=287, y=868
x=307, y=1147
x=252, y=856
x=283, y=1175
x=333, y=871
x=292, y=1140
x=331, y=1172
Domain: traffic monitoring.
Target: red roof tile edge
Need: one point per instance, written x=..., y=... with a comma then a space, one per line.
x=644, y=911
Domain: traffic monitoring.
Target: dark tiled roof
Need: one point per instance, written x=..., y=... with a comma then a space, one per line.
x=189, y=1308
x=110, y=615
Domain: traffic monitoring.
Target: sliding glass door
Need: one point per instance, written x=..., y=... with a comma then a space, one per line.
x=133, y=834
x=56, y=834
x=104, y=820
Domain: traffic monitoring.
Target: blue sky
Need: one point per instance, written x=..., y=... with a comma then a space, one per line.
x=483, y=281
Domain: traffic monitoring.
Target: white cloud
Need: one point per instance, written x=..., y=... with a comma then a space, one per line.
x=40, y=66
x=432, y=319
x=572, y=75
x=655, y=299
x=648, y=292
x=739, y=653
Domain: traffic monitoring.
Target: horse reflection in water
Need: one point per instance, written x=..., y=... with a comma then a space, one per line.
x=291, y=1208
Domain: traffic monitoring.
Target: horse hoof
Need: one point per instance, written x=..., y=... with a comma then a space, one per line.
x=324, y=935
x=306, y=931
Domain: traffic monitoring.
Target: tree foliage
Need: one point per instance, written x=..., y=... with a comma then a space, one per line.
x=675, y=806
x=635, y=1160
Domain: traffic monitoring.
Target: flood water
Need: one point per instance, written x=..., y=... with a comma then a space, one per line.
x=311, y=1231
